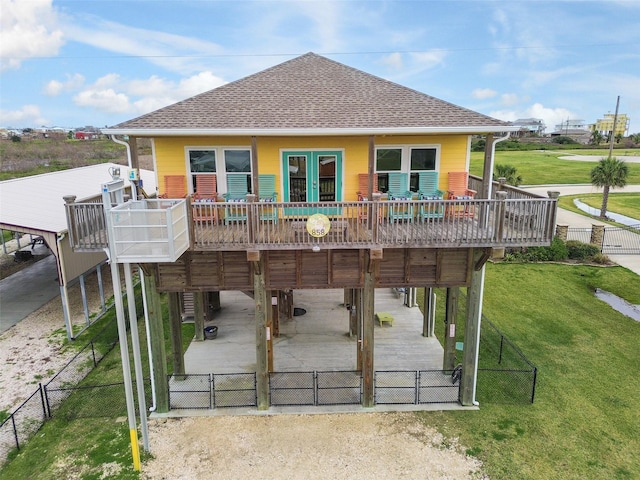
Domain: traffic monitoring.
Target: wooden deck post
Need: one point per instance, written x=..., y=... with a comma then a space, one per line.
x=262, y=335
x=214, y=301
x=428, y=313
x=175, y=329
x=368, y=367
x=472, y=334
x=451, y=312
x=198, y=315
x=156, y=333
x=357, y=299
x=275, y=313
x=350, y=305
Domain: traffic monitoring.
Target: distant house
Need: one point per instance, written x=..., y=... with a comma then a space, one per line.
x=86, y=135
x=573, y=128
x=605, y=125
x=317, y=176
x=528, y=127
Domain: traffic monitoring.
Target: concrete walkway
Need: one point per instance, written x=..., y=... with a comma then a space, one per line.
x=29, y=289
x=572, y=219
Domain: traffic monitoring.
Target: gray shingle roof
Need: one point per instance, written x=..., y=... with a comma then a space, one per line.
x=310, y=92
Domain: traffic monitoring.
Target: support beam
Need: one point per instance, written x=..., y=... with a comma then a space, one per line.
x=198, y=315
x=350, y=305
x=157, y=362
x=175, y=330
x=275, y=313
x=368, y=367
x=262, y=335
x=451, y=312
x=358, y=314
x=472, y=336
x=428, y=312
x=214, y=301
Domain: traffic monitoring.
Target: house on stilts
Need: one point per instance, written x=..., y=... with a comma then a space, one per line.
x=311, y=175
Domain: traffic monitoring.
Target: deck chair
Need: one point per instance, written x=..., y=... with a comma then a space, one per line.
x=458, y=189
x=204, y=198
x=363, y=195
x=428, y=190
x=399, y=190
x=236, y=197
x=268, y=193
x=175, y=186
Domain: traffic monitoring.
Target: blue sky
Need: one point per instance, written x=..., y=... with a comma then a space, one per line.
x=94, y=62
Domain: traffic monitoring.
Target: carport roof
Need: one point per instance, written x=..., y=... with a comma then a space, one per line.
x=35, y=202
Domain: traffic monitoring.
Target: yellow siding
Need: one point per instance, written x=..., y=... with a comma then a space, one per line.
x=171, y=160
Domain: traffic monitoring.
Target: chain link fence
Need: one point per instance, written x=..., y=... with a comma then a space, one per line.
x=505, y=375
x=28, y=417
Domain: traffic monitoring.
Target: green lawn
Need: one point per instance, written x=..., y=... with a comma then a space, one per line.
x=88, y=437
x=540, y=167
x=583, y=424
x=584, y=421
x=624, y=203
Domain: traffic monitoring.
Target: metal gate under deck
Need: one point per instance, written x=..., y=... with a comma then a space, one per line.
x=317, y=388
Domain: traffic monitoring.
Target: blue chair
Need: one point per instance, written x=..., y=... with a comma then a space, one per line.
x=236, y=197
x=268, y=194
x=428, y=190
x=399, y=192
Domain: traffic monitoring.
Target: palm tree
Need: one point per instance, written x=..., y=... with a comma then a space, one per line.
x=609, y=173
x=509, y=172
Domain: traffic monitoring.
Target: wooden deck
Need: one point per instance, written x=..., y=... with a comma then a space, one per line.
x=219, y=226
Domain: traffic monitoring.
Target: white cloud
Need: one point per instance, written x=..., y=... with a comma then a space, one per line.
x=509, y=99
x=176, y=53
x=27, y=29
x=482, y=93
x=113, y=94
x=550, y=116
x=27, y=115
x=429, y=59
x=54, y=87
x=393, y=61
x=106, y=100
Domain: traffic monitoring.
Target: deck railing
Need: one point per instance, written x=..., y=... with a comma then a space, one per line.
x=381, y=224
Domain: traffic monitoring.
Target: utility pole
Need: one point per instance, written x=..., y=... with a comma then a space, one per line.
x=613, y=131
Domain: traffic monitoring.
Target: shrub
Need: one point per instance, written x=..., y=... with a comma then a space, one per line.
x=582, y=251
x=556, y=252
x=563, y=139
x=600, y=259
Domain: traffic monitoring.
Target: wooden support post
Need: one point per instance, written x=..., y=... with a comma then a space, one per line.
x=275, y=313
x=357, y=298
x=214, y=301
x=472, y=335
x=350, y=305
x=262, y=335
x=198, y=315
x=158, y=358
x=175, y=329
x=368, y=367
x=451, y=312
x=428, y=313
x=269, y=322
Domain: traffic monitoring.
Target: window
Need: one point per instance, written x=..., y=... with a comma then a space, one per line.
x=219, y=161
x=407, y=159
x=238, y=162
x=422, y=159
x=387, y=160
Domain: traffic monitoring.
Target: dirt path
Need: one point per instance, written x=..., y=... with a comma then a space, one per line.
x=285, y=447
